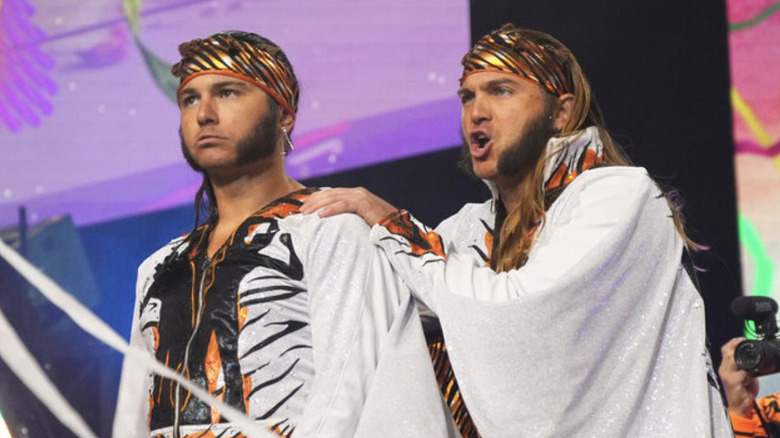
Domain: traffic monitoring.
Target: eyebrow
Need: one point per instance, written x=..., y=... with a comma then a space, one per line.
x=187, y=92
x=490, y=84
x=464, y=91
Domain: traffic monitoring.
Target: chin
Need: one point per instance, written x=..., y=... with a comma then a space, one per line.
x=484, y=170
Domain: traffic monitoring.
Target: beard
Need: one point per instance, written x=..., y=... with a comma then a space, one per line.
x=521, y=157
x=255, y=146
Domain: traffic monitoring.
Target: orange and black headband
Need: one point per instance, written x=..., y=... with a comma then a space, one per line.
x=502, y=51
x=257, y=64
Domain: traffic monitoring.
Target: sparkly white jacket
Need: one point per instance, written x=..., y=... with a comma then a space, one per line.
x=600, y=334
x=302, y=324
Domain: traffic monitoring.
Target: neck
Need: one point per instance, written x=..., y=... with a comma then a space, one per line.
x=242, y=193
x=510, y=191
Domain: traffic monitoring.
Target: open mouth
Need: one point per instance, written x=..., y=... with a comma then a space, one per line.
x=480, y=140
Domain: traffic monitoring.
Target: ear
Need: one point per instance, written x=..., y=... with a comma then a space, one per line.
x=286, y=120
x=563, y=112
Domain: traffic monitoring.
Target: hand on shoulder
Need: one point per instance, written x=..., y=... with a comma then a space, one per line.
x=345, y=200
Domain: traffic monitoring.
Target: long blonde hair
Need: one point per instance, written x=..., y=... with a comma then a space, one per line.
x=522, y=224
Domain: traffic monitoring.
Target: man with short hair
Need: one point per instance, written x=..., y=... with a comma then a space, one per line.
x=288, y=318
x=564, y=301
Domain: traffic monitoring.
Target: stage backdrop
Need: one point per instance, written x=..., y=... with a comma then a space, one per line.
x=754, y=40
x=88, y=122
x=754, y=45
x=88, y=129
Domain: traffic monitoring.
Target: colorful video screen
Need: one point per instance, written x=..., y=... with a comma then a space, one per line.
x=89, y=126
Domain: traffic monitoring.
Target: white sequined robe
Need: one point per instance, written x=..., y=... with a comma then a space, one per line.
x=600, y=334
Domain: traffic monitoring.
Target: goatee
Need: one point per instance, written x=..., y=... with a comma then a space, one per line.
x=520, y=157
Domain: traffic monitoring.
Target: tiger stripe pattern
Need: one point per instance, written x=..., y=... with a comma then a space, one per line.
x=244, y=317
x=224, y=54
x=448, y=385
x=502, y=51
x=421, y=241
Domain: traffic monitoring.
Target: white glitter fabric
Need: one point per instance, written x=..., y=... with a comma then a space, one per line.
x=600, y=334
x=360, y=362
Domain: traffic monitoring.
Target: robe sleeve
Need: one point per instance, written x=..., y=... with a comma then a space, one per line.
x=372, y=369
x=600, y=333
x=603, y=207
x=132, y=410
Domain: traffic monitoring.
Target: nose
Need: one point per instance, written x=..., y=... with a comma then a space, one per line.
x=207, y=111
x=479, y=110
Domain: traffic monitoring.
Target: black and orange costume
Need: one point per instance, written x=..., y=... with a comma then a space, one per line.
x=295, y=321
x=765, y=421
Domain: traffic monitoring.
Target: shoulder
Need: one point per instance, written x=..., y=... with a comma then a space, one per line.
x=617, y=183
x=342, y=230
x=620, y=178
x=344, y=222
x=349, y=223
x=610, y=193
x=468, y=214
x=148, y=266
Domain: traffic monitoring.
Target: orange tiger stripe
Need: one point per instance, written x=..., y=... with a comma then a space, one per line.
x=449, y=386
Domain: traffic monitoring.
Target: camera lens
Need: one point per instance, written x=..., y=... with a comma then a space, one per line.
x=748, y=355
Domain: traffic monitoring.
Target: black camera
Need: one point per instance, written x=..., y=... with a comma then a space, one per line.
x=759, y=356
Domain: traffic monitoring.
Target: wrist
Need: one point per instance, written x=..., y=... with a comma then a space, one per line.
x=746, y=411
x=390, y=217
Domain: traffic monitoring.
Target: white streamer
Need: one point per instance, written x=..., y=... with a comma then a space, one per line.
x=23, y=364
x=96, y=327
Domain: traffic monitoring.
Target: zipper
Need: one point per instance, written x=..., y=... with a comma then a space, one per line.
x=177, y=395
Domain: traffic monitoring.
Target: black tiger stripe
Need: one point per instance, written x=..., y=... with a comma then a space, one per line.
x=294, y=347
x=254, y=320
x=291, y=327
x=448, y=385
x=277, y=379
x=266, y=277
x=248, y=293
x=480, y=253
x=280, y=404
x=260, y=368
x=273, y=298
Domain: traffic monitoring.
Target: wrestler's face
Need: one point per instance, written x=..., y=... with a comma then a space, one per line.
x=226, y=123
x=506, y=124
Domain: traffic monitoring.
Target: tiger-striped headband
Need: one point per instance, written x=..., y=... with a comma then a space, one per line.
x=502, y=51
x=225, y=54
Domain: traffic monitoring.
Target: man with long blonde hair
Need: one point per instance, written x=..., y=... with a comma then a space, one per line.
x=565, y=302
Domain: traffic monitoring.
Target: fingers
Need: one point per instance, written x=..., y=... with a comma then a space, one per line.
x=728, y=370
x=741, y=387
x=334, y=208
x=358, y=200
x=327, y=202
x=727, y=352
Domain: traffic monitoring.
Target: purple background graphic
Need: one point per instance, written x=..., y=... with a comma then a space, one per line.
x=96, y=137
